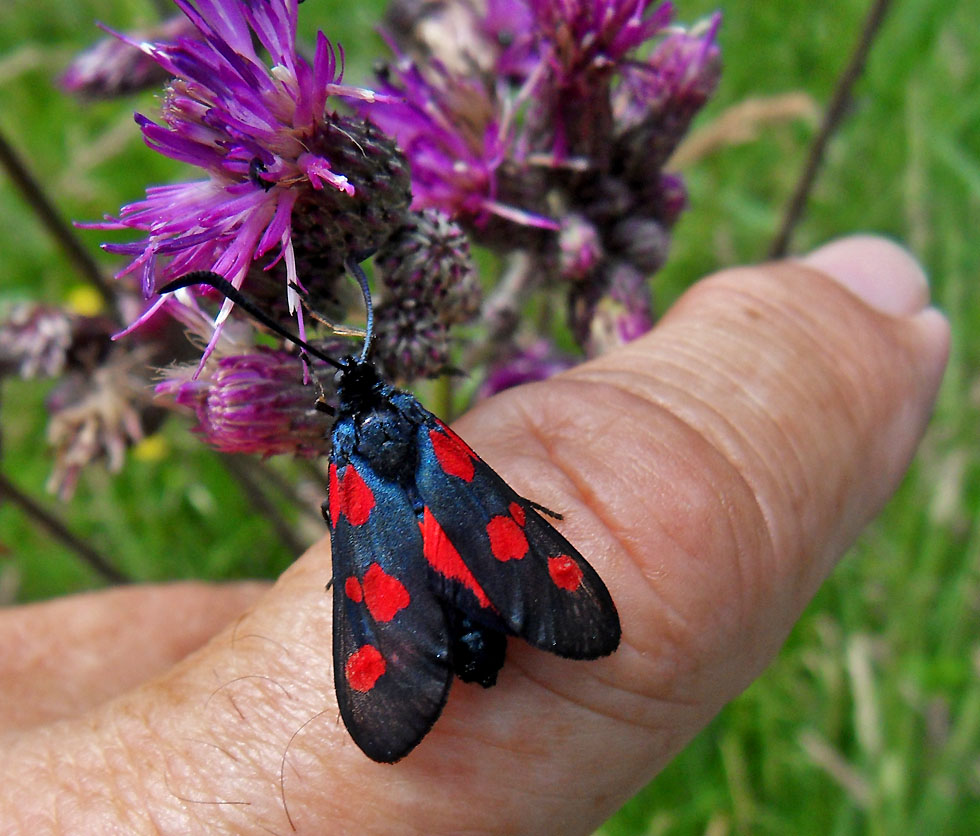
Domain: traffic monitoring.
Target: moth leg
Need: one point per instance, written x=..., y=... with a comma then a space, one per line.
x=320, y=404
x=547, y=511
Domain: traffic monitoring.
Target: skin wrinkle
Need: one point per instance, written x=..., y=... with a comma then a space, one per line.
x=164, y=758
x=510, y=786
x=674, y=394
x=253, y=764
x=734, y=471
x=698, y=404
x=695, y=468
x=854, y=407
x=790, y=381
x=293, y=785
x=238, y=679
x=597, y=510
x=840, y=366
x=95, y=759
x=633, y=720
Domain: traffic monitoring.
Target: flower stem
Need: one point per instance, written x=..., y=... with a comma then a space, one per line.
x=251, y=481
x=62, y=233
x=832, y=118
x=60, y=532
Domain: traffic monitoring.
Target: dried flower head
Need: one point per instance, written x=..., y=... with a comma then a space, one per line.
x=96, y=416
x=114, y=67
x=47, y=341
x=34, y=341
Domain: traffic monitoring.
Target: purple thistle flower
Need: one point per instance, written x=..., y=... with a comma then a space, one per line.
x=659, y=97
x=448, y=126
x=277, y=187
x=581, y=46
x=255, y=403
x=547, y=138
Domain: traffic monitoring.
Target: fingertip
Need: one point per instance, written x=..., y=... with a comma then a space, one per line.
x=880, y=272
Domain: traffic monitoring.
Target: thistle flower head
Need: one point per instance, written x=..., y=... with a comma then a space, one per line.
x=448, y=126
x=658, y=98
x=278, y=163
x=254, y=403
x=572, y=52
x=582, y=43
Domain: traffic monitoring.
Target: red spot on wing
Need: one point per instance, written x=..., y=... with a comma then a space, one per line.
x=455, y=458
x=357, y=499
x=364, y=667
x=565, y=572
x=444, y=558
x=517, y=513
x=353, y=590
x=507, y=540
x=385, y=595
x=333, y=497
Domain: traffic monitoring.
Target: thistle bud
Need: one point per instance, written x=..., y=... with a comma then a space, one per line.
x=253, y=403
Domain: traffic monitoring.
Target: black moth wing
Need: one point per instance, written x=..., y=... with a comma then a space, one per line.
x=540, y=586
x=392, y=669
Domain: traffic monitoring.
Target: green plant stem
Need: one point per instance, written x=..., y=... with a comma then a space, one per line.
x=63, y=234
x=58, y=530
x=831, y=121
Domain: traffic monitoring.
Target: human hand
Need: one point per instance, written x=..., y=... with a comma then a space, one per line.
x=712, y=472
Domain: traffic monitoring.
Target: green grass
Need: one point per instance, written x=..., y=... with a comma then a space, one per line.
x=869, y=721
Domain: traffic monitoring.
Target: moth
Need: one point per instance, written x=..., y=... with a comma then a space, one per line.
x=436, y=559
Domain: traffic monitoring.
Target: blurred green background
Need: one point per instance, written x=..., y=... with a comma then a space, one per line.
x=869, y=720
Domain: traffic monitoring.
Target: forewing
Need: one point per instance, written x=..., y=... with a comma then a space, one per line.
x=538, y=583
x=392, y=669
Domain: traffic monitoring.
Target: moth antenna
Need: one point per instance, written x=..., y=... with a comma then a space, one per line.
x=358, y=273
x=229, y=291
